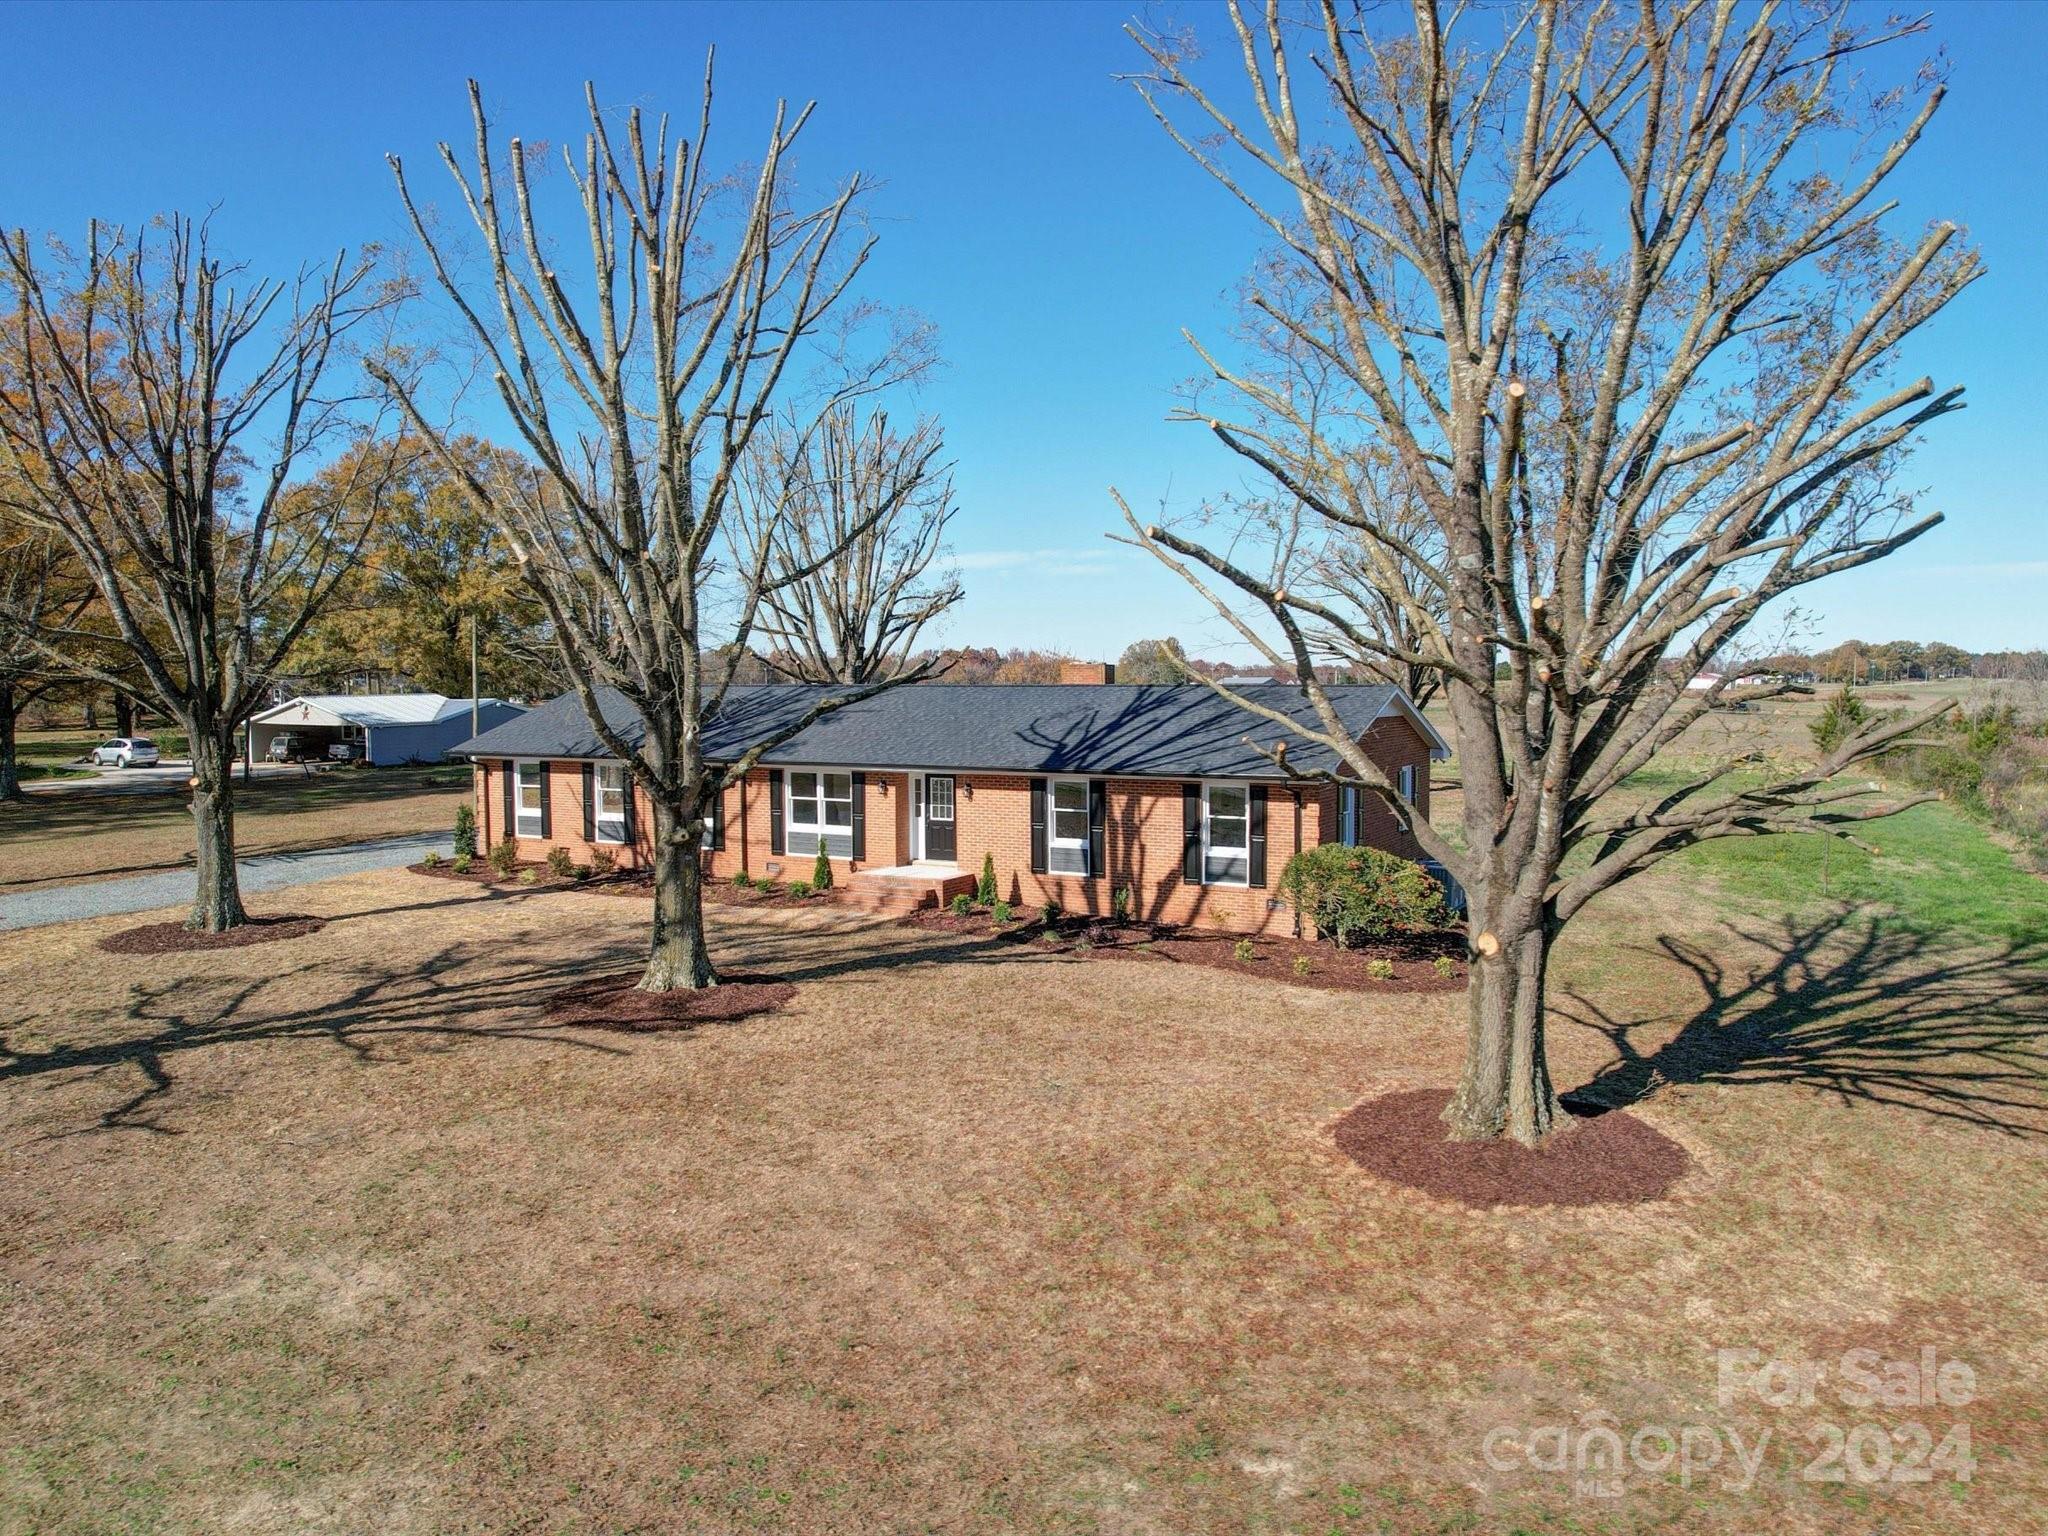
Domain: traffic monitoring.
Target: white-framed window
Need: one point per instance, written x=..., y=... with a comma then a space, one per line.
x=1066, y=827
x=713, y=809
x=526, y=804
x=1347, y=814
x=820, y=801
x=1226, y=834
x=610, y=785
x=1407, y=782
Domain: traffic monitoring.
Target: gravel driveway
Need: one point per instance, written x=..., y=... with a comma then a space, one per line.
x=266, y=872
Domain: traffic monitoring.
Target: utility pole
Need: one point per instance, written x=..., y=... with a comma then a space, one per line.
x=474, y=730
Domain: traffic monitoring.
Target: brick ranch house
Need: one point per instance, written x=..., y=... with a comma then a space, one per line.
x=1075, y=789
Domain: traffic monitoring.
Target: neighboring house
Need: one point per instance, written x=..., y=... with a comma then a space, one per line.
x=1075, y=790
x=386, y=728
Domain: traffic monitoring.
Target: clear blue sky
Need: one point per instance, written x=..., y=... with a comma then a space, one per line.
x=1031, y=208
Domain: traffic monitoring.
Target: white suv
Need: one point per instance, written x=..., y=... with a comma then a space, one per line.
x=125, y=752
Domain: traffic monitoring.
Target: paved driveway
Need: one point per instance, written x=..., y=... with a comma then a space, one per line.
x=170, y=774
x=173, y=887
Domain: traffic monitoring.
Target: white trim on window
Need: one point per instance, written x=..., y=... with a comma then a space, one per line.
x=608, y=808
x=528, y=821
x=713, y=809
x=1224, y=855
x=1066, y=853
x=1347, y=814
x=1407, y=782
x=824, y=795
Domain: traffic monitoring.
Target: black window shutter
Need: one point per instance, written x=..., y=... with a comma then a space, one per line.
x=1038, y=826
x=860, y=815
x=716, y=811
x=590, y=802
x=547, y=815
x=1191, y=833
x=1098, y=865
x=775, y=810
x=1258, y=837
x=511, y=798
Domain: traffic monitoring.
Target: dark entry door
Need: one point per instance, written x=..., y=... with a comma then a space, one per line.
x=939, y=843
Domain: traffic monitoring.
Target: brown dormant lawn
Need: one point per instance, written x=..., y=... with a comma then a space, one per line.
x=337, y=1234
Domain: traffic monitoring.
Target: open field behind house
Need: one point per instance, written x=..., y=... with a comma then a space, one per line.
x=336, y=1235
x=85, y=834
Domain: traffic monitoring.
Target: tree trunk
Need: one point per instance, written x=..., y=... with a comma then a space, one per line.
x=677, y=960
x=217, y=906
x=124, y=715
x=1505, y=1088
x=10, y=769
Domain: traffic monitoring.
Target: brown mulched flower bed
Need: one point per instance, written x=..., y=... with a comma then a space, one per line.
x=171, y=938
x=615, y=1002
x=1413, y=956
x=1608, y=1158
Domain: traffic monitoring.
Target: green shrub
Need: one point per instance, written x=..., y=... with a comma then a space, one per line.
x=985, y=891
x=1380, y=970
x=742, y=880
x=1302, y=965
x=962, y=904
x=1445, y=966
x=1244, y=951
x=465, y=831
x=1842, y=717
x=821, y=871
x=1361, y=893
x=580, y=871
x=504, y=858
x=463, y=861
x=432, y=860
x=1000, y=911
x=1120, y=904
x=560, y=865
x=529, y=876
x=1050, y=912
x=799, y=889
x=603, y=861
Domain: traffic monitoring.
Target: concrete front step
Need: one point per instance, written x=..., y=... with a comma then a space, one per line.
x=906, y=890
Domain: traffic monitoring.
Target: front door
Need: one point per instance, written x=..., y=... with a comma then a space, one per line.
x=940, y=846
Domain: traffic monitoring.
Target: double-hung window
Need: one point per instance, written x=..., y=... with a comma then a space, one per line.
x=820, y=810
x=1066, y=850
x=611, y=784
x=1226, y=834
x=1347, y=814
x=526, y=806
x=1407, y=782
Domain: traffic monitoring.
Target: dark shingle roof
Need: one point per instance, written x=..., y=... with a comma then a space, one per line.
x=1179, y=731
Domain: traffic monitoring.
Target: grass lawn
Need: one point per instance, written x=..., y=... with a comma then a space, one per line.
x=83, y=834
x=337, y=1235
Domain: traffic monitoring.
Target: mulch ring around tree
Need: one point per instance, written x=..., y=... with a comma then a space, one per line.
x=1413, y=962
x=1599, y=1158
x=172, y=938
x=616, y=1002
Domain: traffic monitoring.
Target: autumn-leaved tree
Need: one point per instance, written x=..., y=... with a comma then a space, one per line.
x=1616, y=290
x=702, y=302
x=161, y=413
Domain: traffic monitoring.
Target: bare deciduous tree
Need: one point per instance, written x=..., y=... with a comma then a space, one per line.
x=862, y=509
x=162, y=405
x=40, y=589
x=1635, y=353
x=636, y=389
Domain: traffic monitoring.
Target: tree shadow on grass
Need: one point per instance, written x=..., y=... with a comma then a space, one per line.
x=1857, y=1007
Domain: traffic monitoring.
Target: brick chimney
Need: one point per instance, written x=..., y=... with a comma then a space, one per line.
x=1087, y=671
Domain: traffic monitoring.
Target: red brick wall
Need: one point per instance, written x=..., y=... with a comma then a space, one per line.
x=1142, y=835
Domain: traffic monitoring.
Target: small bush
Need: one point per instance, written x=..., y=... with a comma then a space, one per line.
x=1120, y=904
x=1244, y=951
x=580, y=872
x=462, y=862
x=529, y=876
x=985, y=891
x=1050, y=912
x=1361, y=893
x=1000, y=911
x=1380, y=970
x=821, y=872
x=560, y=865
x=603, y=861
x=742, y=880
x=504, y=858
x=799, y=889
x=962, y=904
x=1842, y=717
x=1302, y=965
x=1445, y=966
x=432, y=860
x=465, y=831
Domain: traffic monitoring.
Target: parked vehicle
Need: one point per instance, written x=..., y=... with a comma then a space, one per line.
x=125, y=752
x=345, y=751
x=292, y=747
